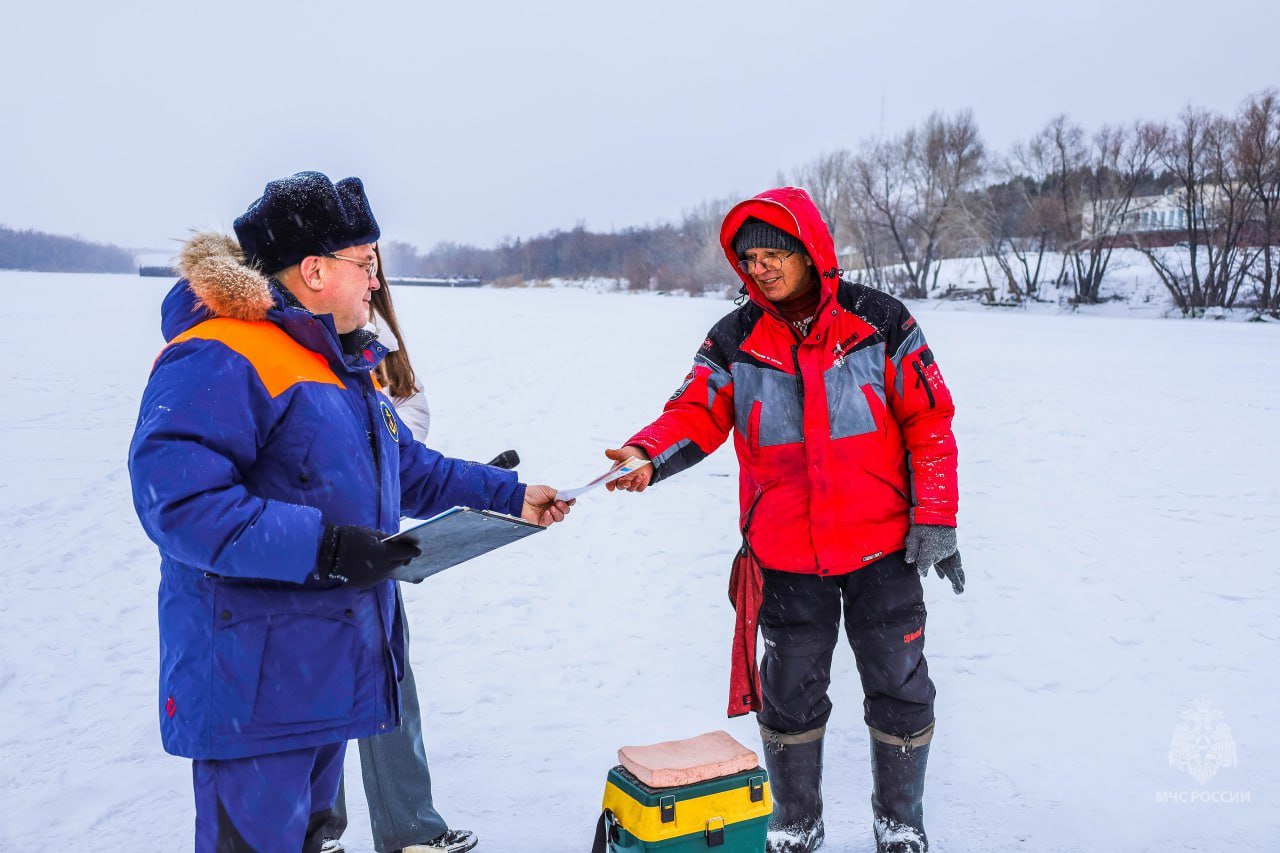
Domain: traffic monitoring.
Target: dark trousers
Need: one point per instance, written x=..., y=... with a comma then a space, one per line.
x=884, y=619
x=397, y=780
x=267, y=802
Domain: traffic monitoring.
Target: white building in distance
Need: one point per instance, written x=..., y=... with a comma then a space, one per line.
x=1146, y=213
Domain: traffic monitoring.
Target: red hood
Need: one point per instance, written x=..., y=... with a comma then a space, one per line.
x=792, y=210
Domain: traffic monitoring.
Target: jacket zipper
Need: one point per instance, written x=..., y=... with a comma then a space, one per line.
x=921, y=380
x=373, y=445
x=366, y=387
x=746, y=523
x=795, y=358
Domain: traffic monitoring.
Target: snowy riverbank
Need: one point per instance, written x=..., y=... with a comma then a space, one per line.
x=1120, y=494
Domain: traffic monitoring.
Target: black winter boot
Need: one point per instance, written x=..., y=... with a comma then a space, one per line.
x=794, y=762
x=897, y=794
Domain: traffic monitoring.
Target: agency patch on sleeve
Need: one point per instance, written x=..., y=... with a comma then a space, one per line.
x=389, y=418
x=684, y=386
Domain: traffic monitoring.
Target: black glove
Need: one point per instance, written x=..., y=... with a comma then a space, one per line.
x=355, y=555
x=934, y=545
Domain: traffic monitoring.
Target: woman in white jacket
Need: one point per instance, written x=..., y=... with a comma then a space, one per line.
x=395, y=373
x=397, y=781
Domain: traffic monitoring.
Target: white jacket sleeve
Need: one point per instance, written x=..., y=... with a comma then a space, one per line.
x=413, y=410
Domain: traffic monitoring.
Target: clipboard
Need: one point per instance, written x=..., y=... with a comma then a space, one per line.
x=457, y=535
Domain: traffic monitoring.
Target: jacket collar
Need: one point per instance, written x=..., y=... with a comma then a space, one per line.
x=358, y=352
x=216, y=282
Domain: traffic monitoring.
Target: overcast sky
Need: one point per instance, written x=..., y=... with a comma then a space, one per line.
x=134, y=122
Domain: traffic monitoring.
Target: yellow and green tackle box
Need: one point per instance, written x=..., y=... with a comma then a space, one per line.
x=729, y=812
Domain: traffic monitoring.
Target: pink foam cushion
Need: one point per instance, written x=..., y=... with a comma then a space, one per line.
x=682, y=762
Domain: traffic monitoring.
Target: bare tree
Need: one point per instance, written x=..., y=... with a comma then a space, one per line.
x=828, y=179
x=1041, y=171
x=1258, y=169
x=1000, y=222
x=1022, y=218
x=1198, y=151
x=987, y=222
x=1096, y=195
x=708, y=269
x=911, y=188
x=1235, y=204
x=870, y=228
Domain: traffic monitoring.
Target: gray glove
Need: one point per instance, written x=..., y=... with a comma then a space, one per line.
x=934, y=546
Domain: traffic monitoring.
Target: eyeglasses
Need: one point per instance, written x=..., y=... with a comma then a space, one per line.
x=769, y=261
x=370, y=266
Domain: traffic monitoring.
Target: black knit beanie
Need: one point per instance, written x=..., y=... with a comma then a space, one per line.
x=758, y=234
x=304, y=214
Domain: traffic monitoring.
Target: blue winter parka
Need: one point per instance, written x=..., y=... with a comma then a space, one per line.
x=255, y=431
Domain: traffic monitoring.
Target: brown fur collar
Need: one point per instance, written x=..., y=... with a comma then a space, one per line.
x=214, y=266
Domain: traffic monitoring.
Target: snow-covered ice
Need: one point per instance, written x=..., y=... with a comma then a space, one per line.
x=1120, y=502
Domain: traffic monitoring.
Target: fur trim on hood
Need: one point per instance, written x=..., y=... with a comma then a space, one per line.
x=214, y=267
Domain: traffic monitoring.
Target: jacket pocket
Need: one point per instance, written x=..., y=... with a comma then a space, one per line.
x=308, y=671
x=237, y=659
x=768, y=403
x=919, y=364
x=882, y=478
x=282, y=658
x=855, y=387
x=753, y=425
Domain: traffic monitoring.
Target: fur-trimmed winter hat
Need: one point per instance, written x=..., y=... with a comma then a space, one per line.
x=758, y=234
x=304, y=214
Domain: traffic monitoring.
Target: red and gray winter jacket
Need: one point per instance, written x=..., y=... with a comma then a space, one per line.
x=843, y=438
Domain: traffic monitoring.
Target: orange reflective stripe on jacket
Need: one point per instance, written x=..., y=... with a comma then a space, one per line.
x=279, y=360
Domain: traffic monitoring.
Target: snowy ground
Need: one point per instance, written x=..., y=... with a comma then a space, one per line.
x=1119, y=515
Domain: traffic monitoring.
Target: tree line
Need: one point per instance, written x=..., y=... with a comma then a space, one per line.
x=1042, y=219
x=684, y=256
x=1047, y=214
x=41, y=252
x=1053, y=209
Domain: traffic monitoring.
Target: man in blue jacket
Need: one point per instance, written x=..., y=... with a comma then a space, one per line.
x=267, y=467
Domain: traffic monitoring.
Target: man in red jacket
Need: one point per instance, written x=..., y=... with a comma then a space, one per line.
x=842, y=426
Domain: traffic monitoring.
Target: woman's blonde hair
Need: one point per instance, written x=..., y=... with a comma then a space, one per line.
x=396, y=372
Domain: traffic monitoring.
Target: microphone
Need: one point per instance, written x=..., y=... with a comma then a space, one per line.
x=505, y=459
